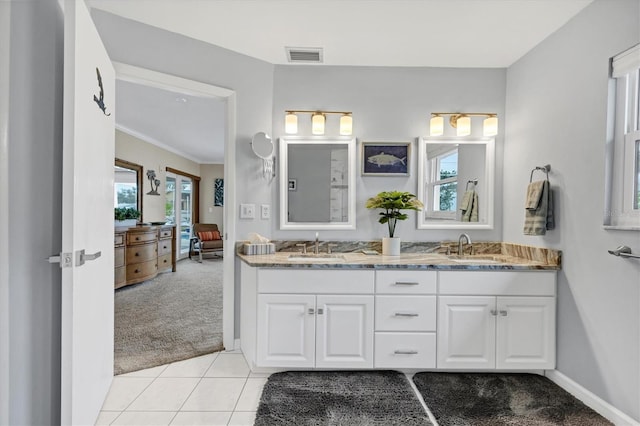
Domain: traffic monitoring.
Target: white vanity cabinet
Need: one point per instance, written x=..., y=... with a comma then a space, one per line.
x=306, y=318
x=496, y=320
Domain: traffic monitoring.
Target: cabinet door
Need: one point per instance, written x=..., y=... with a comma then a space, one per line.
x=286, y=330
x=344, y=331
x=526, y=333
x=466, y=332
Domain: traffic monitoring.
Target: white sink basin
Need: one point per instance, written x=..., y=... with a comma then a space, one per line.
x=317, y=258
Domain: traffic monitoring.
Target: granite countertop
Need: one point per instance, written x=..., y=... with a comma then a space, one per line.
x=418, y=261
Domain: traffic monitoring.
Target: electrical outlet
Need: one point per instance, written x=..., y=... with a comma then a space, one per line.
x=265, y=211
x=247, y=211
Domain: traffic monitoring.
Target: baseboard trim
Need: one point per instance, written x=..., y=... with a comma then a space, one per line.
x=599, y=405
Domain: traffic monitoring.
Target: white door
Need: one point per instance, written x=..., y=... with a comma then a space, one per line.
x=286, y=330
x=87, y=224
x=526, y=333
x=466, y=332
x=344, y=331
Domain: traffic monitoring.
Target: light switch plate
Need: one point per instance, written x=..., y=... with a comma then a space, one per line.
x=247, y=211
x=265, y=211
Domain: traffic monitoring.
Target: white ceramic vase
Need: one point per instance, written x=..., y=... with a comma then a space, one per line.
x=391, y=246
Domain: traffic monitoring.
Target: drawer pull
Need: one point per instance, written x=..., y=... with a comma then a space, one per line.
x=503, y=313
x=137, y=254
x=406, y=314
x=137, y=238
x=494, y=312
x=406, y=283
x=320, y=311
x=136, y=271
x=406, y=352
x=311, y=311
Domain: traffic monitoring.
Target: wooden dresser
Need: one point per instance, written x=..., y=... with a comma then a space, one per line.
x=143, y=251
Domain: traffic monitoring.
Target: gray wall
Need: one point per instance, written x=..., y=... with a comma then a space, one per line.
x=556, y=113
x=388, y=104
x=35, y=175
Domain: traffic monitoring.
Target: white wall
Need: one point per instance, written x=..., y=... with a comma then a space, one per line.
x=151, y=157
x=388, y=104
x=34, y=213
x=208, y=212
x=556, y=114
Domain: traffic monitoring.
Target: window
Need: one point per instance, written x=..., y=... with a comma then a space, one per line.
x=622, y=202
x=442, y=186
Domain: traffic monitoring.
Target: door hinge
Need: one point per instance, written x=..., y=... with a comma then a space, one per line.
x=65, y=260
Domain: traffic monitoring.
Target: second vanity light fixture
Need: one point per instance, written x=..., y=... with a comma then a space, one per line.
x=461, y=121
x=318, y=119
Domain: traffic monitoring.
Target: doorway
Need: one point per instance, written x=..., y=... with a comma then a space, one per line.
x=179, y=207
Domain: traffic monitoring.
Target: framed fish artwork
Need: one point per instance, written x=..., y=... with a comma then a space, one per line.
x=386, y=158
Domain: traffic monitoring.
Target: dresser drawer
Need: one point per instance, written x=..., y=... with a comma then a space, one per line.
x=401, y=281
x=164, y=247
x=120, y=276
x=140, y=237
x=140, y=271
x=118, y=257
x=166, y=233
x=164, y=262
x=405, y=350
x=141, y=253
x=405, y=313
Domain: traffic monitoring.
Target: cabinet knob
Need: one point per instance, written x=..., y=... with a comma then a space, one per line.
x=136, y=271
x=137, y=254
x=503, y=313
x=311, y=311
x=494, y=312
x=320, y=311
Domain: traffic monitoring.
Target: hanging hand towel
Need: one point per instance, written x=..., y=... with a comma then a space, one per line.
x=469, y=207
x=538, y=209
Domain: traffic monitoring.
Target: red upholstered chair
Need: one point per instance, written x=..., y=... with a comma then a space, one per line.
x=206, y=239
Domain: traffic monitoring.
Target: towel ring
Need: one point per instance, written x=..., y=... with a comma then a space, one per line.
x=546, y=168
x=473, y=181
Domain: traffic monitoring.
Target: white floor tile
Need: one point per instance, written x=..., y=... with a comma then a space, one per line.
x=149, y=372
x=123, y=391
x=164, y=394
x=106, y=417
x=211, y=418
x=228, y=365
x=250, y=396
x=242, y=418
x=194, y=367
x=220, y=394
x=141, y=418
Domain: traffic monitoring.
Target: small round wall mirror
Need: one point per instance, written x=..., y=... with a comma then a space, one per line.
x=262, y=145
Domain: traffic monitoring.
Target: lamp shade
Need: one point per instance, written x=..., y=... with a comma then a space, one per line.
x=317, y=124
x=291, y=123
x=346, y=124
x=436, y=125
x=490, y=126
x=463, y=124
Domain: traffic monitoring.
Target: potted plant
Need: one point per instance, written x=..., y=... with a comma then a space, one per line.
x=125, y=216
x=393, y=203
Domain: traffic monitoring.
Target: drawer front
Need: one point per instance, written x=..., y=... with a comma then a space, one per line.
x=164, y=262
x=120, y=276
x=141, y=253
x=318, y=281
x=405, y=313
x=494, y=283
x=118, y=258
x=140, y=237
x=405, y=350
x=164, y=247
x=118, y=239
x=141, y=270
x=399, y=281
x=166, y=233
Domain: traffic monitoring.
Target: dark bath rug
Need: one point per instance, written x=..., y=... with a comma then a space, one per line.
x=353, y=398
x=479, y=399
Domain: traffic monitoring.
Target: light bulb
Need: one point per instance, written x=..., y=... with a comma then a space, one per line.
x=291, y=123
x=346, y=124
x=490, y=126
x=463, y=124
x=317, y=123
x=436, y=126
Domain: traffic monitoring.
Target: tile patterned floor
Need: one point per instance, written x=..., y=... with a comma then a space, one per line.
x=214, y=389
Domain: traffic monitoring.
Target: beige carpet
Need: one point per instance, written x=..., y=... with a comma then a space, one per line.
x=175, y=316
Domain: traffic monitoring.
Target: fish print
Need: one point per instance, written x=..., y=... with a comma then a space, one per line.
x=383, y=159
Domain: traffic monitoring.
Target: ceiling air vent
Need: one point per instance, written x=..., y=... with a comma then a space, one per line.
x=304, y=54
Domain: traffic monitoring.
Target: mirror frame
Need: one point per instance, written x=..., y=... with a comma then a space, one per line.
x=139, y=180
x=489, y=178
x=284, y=144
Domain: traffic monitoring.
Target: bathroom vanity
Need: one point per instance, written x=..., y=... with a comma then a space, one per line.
x=415, y=311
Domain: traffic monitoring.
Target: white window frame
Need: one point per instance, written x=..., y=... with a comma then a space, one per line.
x=434, y=181
x=623, y=135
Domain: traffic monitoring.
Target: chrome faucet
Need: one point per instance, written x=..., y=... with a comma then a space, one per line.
x=317, y=247
x=463, y=236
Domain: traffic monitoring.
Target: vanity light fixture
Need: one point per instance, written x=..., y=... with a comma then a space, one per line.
x=318, y=121
x=461, y=121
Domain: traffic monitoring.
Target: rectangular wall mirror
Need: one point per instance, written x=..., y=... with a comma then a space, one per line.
x=317, y=183
x=127, y=186
x=456, y=183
